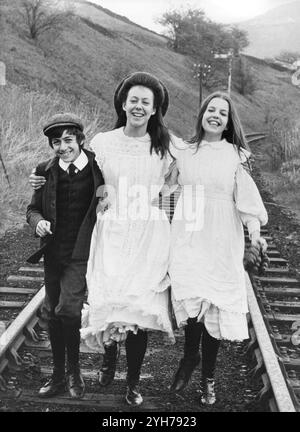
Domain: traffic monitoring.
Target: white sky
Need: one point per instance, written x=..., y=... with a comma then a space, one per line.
x=144, y=12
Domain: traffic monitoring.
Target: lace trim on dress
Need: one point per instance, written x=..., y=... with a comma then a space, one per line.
x=118, y=143
x=95, y=338
x=211, y=315
x=132, y=149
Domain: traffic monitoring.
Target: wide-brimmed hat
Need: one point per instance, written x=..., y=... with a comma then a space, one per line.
x=63, y=119
x=144, y=79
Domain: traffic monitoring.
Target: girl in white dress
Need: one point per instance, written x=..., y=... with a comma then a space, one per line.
x=206, y=260
x=129, y=255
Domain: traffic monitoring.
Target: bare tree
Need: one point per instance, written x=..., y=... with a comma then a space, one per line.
x=40, y=16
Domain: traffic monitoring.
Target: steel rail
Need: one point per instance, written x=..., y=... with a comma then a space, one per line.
x=281, y=393
x=254, y=134
x=12, y=339
x=275, y=384
x=16, y=328
x=258, y=138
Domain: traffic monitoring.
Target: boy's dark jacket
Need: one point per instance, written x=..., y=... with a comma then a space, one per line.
x=43, y=206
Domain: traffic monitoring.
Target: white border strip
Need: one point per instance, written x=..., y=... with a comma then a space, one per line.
x=279, y=387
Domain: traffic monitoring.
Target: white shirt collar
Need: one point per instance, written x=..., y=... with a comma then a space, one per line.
x=80, y=162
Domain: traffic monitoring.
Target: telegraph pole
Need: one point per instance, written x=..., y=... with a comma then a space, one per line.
x=228, y=56
x=200, y=84
x=3, y=83
x=2, y=73
x=202, y=70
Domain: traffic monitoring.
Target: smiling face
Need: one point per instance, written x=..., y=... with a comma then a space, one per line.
x=215, y=119
x=66, y=147
x=139, y=107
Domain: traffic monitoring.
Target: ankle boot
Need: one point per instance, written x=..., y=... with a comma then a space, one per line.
x=191, y=358
x=75, y=382
x=109, y=364
x=133, y=396
x=184, y=372
x=136, y=345
x=54, y=386
x=207, y=389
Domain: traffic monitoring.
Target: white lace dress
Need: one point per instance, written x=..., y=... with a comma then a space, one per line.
x=129, y=254
x=206, y=260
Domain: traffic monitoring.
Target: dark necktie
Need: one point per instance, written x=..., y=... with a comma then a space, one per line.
x=72, y=169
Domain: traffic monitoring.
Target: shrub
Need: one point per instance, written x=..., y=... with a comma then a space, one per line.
x=291, y=171
x=285, y=138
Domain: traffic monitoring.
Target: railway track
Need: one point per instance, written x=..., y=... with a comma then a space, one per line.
x=255, y=136
x=273, y=349
x=274, y=339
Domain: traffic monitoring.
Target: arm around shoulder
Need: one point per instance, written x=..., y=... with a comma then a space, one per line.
x=34, y=209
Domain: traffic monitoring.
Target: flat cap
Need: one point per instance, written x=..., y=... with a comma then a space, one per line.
x=63, y=119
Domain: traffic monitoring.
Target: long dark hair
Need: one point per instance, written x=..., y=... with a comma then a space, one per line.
x=234, y=132
x=159, y=134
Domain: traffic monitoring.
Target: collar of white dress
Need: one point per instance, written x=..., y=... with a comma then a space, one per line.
x=144, y=139
x=214, y=144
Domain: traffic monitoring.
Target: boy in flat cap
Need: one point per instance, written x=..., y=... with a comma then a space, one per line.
x=63, y=213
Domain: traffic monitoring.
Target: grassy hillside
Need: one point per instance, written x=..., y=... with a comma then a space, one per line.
x=79, y=71
x=278, y=106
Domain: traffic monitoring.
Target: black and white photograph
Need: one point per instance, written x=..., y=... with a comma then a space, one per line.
x=150, y=209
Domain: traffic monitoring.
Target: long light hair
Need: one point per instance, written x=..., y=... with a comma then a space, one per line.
x=234, y=133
